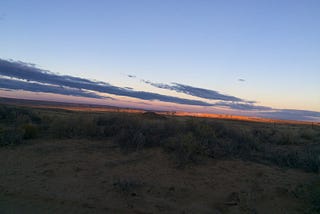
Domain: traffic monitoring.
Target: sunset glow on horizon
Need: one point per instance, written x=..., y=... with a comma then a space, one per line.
x=250, y=58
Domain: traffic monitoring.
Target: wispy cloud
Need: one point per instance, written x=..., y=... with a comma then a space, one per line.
x=29, y=72
x=292, y=114
x=195, y=91
x=36, y=87
x=243, y=106
x=16, y=75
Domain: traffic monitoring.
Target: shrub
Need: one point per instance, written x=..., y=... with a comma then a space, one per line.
x=309, y=135
x=112, y=127
x=287, y=138
x=240, y=143
x=74, y=127
x=156, y=132
x=185, y=149
x=131, y=140
x=187, y=140
x=312, y=161
x=201, y=129
x=11, y=136
x=30, y=131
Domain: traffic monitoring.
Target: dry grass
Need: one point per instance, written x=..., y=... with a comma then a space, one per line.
x=187, y=139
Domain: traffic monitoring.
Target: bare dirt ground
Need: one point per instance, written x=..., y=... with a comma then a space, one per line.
x=81, y=176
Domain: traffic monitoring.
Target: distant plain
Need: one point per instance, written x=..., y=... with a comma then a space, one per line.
x=79, y=160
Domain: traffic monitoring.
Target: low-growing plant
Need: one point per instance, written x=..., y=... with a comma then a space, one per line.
x=312, y=161
x=185, y=149
x=11, y=136
x=30, y=131
x=188, y=140
x=131, y=140
x=74, y=127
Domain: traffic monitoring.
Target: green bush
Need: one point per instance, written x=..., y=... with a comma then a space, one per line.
x=30, y=131
x=185, y=148
x=186, y=139
x=74, y=127
x=11, y=136
x=312, y=161
x=131, y=140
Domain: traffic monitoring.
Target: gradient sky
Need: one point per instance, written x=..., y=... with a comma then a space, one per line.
x=273, y=45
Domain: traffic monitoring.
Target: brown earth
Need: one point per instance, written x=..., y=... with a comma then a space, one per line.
x=81, y=176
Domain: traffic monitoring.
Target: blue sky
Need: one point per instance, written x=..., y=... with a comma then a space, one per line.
x=273, y=45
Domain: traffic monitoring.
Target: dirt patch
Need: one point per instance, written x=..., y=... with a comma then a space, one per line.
x=81, y=176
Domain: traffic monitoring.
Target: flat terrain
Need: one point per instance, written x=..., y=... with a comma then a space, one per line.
x=82, y=161
x=79, y=176
x=103, y=108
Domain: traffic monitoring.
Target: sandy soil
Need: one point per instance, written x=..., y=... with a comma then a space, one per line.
x=79, y=176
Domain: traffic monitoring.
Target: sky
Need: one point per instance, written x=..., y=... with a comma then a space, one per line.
x=247, y=57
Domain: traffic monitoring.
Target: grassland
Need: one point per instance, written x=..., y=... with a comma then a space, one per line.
x=117, y=162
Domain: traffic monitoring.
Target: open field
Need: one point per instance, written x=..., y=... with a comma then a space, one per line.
x=103, y=108
x=63, y=161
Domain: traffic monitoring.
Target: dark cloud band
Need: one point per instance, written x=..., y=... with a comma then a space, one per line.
x=36, y=87
x=16, y=75
x=195, y=91
x=23, y=71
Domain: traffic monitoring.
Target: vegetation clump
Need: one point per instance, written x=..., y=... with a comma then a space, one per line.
x=187, y=140
x=30, y=131
x=11, y=136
